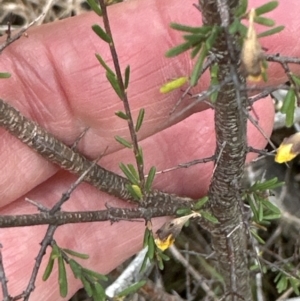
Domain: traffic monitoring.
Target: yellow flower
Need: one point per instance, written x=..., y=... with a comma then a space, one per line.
x=288, y=149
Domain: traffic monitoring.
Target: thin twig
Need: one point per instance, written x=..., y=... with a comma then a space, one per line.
x=44, y=244
x=65, y=217
x=187, y=164
x=199, y=278
x=17, y=36
x=115, y=58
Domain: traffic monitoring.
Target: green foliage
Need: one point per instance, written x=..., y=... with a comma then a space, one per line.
x=241, y=9
x=265, y=8
x=89, y=278
x=284, y=281
x=289, y=106
x=154, y=254
x=201, y=202
x=62, y=277
x=76, y=254
x=131, y=289
x=95, y=7
x=140, y=120
x=103, y=64
x=5, y=75
x=200, y=40
x=112, y=78
x=101, y=33
x=264, y=21
x=130, y=172
x=127, y=77
x=289, y=103
x=271, y=31
x=121, y=115
x=123, y=142
x=263, y=210
x=241, y=13
x=150, y=178
x=214, y=82
x=206, y=215
x=262, y=186
x=135, y=191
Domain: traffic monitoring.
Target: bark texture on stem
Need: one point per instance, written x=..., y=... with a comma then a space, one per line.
x=229, y=237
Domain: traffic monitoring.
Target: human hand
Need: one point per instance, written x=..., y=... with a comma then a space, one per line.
x=57, y=81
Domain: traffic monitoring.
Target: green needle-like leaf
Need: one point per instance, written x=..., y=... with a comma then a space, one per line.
x=150, y=178
x=183, y=211
x=201, y=202
x=76, y=254
x=98, y=292
x=289, y=107
x=269, y=184
x=140, y=119
x=140, y=156
x=271, y=31
x=198, y=66
x=242, y=8
x=260, y=212
x=5, y=75
x=296, y=79
x=264, y=21
x=129, y=175
x=257, y=237
x=160, y=263
x=272, y=207
x=151, y=247
x=95, y=275
x=209, y=217
x=132, y=288
x=49, y=268
x=76, y=268
x=94, y=6
x=101, y=33
x=103, y=64
x=195, y=30
x=234, y=27
x=121, y=115
x=196, y=50
x=253, y=208
x=123, y=142
x=62, y=277
x=146, y=237
x=133, y=171
x=115, y=84
x=265, y=8
x=178, y=49
x=127, y=77
x=87, y=286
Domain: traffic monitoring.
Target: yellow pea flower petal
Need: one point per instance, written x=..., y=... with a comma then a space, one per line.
x=169, y=231
x=164, y=244
x=284, y=153
x=288, y=149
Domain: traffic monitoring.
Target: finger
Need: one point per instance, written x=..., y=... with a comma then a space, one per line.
x=109, y=245
x=70, y=92
x=63, y=88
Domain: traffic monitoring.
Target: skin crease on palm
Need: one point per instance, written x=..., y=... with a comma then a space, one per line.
x=57, y=82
